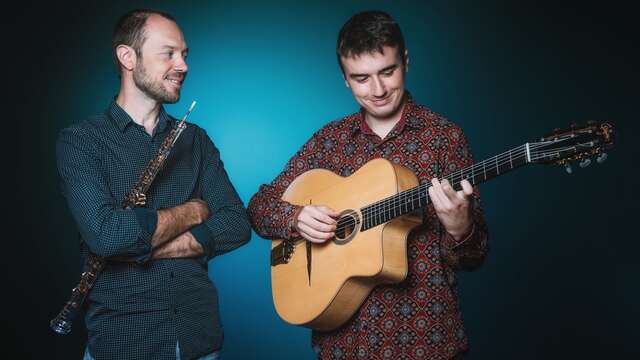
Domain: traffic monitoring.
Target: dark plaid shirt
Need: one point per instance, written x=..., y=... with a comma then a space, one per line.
x=139, y=310
x=418, y=318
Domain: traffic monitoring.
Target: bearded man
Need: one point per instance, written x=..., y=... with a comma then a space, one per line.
x=154, y=299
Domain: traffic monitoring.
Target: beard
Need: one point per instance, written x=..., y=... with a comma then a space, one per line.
x=152, y=88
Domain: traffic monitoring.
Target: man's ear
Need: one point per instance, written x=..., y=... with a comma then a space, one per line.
x=126, y=56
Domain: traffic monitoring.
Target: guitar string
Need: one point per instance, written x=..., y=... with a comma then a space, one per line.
x=381, y=207
x=386, y=206
x=397, y=200
x=454, y=177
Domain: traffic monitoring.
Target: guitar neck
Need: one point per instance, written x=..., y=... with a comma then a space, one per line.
x=415, y=198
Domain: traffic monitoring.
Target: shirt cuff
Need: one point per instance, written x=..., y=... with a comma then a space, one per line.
x=452, y=243
x=292, y=233
x=203, y=236
x=148, y=220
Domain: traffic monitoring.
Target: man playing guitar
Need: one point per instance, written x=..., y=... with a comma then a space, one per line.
x=420, y=316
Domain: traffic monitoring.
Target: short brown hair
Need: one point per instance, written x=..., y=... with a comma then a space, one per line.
x=129, y=30
x=367, y=32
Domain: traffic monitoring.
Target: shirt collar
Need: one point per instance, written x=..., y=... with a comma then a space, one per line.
x=408, y=118
x=122, y=119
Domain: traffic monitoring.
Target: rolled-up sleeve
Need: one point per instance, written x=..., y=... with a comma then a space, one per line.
x=106, y=228
x=228, y=227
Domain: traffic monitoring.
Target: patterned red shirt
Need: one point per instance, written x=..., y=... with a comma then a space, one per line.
x=418, y=318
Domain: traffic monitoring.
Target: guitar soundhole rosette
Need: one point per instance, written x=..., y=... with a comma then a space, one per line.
x=347, y=227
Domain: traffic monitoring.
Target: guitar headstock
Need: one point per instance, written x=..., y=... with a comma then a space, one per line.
x=577, y=144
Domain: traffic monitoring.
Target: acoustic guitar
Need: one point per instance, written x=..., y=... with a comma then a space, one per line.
x=321, y=286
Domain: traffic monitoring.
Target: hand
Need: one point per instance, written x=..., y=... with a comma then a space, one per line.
x=183, y=246
x=452, y=207
x=316, y=223
x=199, y=209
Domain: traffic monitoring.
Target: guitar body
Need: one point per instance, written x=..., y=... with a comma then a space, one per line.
x=343, y=273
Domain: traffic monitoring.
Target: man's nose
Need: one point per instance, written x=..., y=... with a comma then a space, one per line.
x=181, y=64
x=378, y=88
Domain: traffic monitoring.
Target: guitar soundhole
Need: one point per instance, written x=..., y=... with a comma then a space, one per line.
x=347, y=227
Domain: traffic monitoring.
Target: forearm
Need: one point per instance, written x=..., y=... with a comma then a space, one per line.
x=183, y=246
x=226, y=230
x=175, y=221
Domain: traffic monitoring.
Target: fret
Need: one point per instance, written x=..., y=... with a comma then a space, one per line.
x=406, y=206
x=473, y=175
x=510, y=159
x=384, y=211
x=484, y=171
x=366, y=220
x=395, y=207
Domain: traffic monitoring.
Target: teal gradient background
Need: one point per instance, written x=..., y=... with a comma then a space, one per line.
x=561, y=276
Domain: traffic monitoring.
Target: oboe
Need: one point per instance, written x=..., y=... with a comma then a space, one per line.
x=94, y=264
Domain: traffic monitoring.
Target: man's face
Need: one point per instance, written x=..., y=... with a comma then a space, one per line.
x=161, y=69
x=377, y=81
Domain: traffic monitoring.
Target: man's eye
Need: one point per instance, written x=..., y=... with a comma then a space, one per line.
x=361, y=79
x=388, y=72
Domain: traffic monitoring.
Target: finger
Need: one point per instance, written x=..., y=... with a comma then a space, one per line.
x=467, y=189
x=329, y=211
x=306, y=229
x=309, y=219
x=439, y=192
x=435, y=200
x=447, y=188
x=312, y=239
x=320, y=226
x=321, y=215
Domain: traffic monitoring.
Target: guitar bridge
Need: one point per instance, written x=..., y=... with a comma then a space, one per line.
x=281, y=253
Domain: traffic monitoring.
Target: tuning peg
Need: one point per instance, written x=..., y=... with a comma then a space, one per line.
x=601, y=157
x=585, y=162
x=567, y=168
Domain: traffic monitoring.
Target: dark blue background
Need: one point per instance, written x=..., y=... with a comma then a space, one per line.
x=561, y=276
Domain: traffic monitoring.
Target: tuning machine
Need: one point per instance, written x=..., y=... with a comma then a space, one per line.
x=601, y=157
x=568, y=168
x=585, y=162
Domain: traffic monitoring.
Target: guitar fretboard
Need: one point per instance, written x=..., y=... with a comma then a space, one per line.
x=415, y=198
